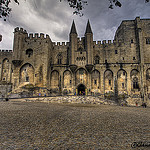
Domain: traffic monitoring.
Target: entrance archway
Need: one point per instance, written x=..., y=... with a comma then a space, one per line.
x=81, y=89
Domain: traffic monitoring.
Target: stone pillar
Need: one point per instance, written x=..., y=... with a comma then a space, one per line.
x=115, y=79
x=9, y=74
x=89, y=82
x=140, y=41
x=128, y=82
x=74, y=83
x=1, y=71
x=102, y=82
x=16, y=77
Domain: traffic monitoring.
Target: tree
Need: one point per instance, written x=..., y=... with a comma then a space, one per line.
x=77, y=5
x=5, y=9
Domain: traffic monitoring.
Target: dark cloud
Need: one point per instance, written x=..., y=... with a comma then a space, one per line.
x=55, y=18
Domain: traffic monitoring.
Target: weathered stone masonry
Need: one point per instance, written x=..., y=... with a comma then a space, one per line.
x=80, y=66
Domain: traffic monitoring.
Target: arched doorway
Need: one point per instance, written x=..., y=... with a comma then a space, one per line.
x=81, y=89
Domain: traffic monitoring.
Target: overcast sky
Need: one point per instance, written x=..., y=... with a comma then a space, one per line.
x=55, y=18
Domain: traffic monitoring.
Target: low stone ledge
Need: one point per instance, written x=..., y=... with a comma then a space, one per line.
x=69, y=99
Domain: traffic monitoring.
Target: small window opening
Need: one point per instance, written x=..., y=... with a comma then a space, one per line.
x=27, y=79
x=122, y=85
x=135, y=83
x=59, y=61
x=59, y=56
x=134, y=58
x=116, y=52
x=29, y=52
x=147, y=40
x=95, y=81
x=131, y=40
x=109, y=82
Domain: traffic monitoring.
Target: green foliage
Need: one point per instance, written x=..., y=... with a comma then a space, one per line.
x=77, y=5
x=5, y=9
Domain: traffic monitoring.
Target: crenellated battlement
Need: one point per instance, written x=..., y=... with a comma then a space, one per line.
x=31, y=35
x=60, y=43
x=108, y=42
x=38, y=36
x=5, y=51
x=21, y=30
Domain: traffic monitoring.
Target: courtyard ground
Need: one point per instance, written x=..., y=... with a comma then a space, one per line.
x=46, y=126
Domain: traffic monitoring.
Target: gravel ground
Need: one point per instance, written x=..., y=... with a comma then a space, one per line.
x=43, y=126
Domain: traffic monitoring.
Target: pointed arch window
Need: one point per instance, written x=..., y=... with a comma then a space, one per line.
x=59, y=57
x=135, y=83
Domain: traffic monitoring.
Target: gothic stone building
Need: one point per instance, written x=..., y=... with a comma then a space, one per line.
x=80, y=65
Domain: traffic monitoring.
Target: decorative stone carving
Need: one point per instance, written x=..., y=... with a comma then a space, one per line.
x=17, y=63
x=89, y=67
x=73, y=68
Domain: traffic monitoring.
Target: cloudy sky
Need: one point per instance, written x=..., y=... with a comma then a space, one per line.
x=55, y=18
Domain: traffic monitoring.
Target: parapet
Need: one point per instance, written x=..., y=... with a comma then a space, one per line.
x=21, y=30
x=60, y=43
x=103, y=42
x=38, y=36
x=6, y=51
x=31, y=35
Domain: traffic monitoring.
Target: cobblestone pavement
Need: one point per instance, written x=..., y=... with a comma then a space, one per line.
x=43, y=126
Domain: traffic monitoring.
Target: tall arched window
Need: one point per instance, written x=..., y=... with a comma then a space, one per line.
x=27, y=73
x=122, y=81
x=67, y=79
x=81, y=76
x=5, y=69
x=135, y=76
x=95, y=79
x=135, y=83
x=148, y=80
x=108, y=78
x=55, y=79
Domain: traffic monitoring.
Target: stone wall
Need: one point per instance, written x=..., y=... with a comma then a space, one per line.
x=93, y=65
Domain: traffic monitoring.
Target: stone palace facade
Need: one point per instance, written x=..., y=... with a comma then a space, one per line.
x=80, y=66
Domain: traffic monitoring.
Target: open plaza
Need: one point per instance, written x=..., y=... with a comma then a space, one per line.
x=68, y=126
